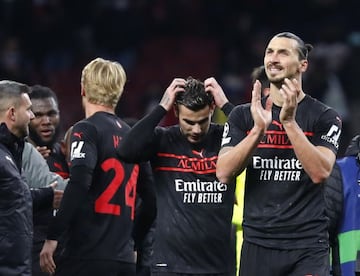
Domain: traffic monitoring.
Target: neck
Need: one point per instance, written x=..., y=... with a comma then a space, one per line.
x=91, y=109
x=276, y=96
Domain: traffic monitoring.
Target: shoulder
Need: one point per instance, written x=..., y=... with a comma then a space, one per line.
x=318, y=106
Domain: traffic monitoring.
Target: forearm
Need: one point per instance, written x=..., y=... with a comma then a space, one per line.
x=42, y=197
x=74, y=196
x=317, y=162
x=136, y=143
x=227, y=108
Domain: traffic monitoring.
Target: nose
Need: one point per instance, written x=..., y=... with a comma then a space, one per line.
x=45, y=119
x=273, y=58
x=196, y=128
x=32, y=116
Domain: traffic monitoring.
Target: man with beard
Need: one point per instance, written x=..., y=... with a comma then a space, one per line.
x=287, y=141
x=43, y=134
x=16, y=201
x=44, y=128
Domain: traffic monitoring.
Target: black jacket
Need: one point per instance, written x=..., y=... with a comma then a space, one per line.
x=16, y=208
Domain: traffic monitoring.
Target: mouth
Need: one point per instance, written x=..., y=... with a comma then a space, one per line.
x=195, y=138
x=274, y=69
x=47, y=133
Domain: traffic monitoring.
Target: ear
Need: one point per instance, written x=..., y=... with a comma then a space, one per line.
x=303, y=65
x=212, y=108
x=176, y=110
x=82, y=91
x=11, y=114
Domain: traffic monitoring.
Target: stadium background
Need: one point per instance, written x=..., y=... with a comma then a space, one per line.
x=49, y=41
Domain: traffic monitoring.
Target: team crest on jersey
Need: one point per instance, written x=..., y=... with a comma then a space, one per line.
x=76, y=150
x=332, y=136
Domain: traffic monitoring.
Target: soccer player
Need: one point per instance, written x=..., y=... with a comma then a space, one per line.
x=287, y=142
x=193, y=223
x=43, y=135
x=98, y=205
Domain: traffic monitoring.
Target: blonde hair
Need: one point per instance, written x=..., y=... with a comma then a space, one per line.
x=103, y=81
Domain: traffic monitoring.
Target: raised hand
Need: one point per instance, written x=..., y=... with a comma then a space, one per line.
x=177, y=85
x=262, y=116
x=289, y=92
x=212, y=86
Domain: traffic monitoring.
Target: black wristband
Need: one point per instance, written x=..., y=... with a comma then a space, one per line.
x=227, y=108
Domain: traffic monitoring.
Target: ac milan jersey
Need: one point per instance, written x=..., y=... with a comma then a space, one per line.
x=194, y=209
x=57, y=162
x=100, y=217
x=193, y=223
x=283, y=208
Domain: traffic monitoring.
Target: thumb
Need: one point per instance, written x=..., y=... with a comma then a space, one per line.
x=53, y=185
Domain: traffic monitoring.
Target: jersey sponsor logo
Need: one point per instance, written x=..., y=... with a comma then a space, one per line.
x=200, y=191
x=276, y=163
x=277, y=169
x=76, y=148
x=332, y=136
x=225, y=140
x=188, y=164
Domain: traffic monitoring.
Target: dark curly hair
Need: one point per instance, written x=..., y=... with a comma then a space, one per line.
x=194, y=97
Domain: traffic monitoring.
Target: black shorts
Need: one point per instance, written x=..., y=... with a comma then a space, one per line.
x=258, y=260
x=79, y=267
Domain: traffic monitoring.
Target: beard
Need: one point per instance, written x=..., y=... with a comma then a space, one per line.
x=40, y=142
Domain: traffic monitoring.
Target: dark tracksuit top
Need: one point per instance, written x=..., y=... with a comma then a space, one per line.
x=16, y=205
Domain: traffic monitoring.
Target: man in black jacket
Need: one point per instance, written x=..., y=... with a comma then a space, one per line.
x=15, y=196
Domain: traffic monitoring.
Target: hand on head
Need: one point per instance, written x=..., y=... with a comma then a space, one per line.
x=168, y=99
x=213, y=87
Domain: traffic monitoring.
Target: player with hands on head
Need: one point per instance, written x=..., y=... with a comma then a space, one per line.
x=287, y=141
x=193, y=222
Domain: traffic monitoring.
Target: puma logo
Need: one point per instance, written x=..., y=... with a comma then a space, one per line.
x=78, y=134
x=277, y=124
x=200, y=153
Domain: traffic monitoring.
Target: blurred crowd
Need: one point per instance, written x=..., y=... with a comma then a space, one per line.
x=48, y=42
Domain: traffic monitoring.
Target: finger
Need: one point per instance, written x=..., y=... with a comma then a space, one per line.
x=54, y=184
x=256, y=92
x=210, y=82
x=293, y=87
x=177, y=82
